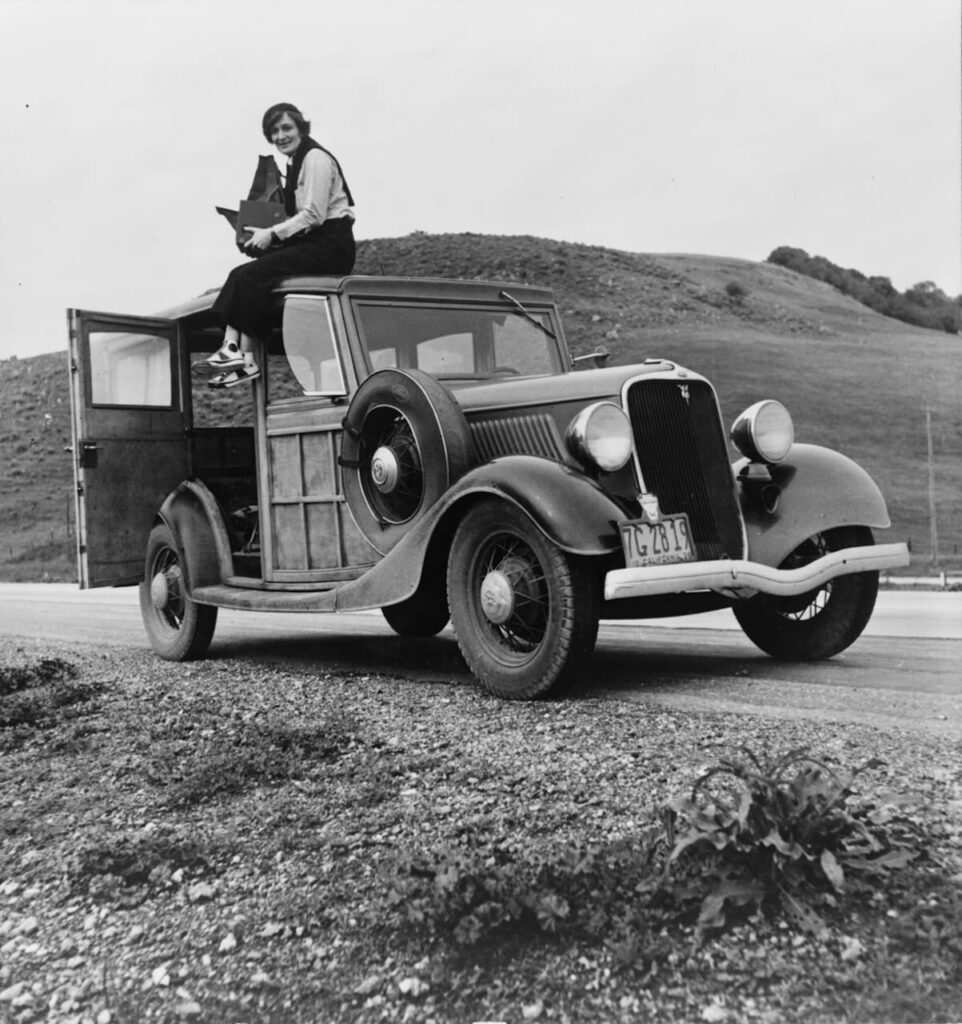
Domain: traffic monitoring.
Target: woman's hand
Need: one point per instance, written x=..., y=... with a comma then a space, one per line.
x=260, y=239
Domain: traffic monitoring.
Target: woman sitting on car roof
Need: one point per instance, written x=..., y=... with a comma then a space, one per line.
x=316, y=238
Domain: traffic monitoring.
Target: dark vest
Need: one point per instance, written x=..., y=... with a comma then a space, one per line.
x=294, y=170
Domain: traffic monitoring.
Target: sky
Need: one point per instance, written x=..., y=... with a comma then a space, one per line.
x=719, y=127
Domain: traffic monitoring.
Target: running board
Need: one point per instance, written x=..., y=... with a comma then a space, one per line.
x=261, y=600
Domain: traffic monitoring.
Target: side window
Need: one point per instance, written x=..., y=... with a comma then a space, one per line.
x=130, y=370
x=310, y=346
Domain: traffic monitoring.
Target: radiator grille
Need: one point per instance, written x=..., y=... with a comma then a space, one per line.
x=681, y=448
x=517, y=435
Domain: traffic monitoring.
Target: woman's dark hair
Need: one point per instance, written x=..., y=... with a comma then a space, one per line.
x=275, y=113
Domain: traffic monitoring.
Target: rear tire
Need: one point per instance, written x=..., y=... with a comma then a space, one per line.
x=524, y=611
x=822, y=622
x=179, y=629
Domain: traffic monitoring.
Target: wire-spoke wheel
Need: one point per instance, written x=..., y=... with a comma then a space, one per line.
x=390, y=466
x=179, y=629
x=821, y=622
x=525, y=613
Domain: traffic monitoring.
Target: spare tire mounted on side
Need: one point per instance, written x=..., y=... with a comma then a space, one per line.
x=405, y=442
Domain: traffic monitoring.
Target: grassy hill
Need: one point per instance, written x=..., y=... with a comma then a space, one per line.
x=853, y=380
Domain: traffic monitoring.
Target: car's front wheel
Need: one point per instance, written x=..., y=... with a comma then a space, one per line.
x=525, y=613
x=179, y=629
x=822, y=622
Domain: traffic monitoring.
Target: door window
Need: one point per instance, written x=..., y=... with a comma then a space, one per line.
x=130, y=370
x=310, y=347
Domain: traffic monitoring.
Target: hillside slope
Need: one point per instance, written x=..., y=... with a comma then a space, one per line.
x=854, y=380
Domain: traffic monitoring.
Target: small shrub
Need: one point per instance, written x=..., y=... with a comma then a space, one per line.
x=787, y=833
x=736, y=292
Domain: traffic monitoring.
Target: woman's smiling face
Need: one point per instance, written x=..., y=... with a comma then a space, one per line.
x=285, y=135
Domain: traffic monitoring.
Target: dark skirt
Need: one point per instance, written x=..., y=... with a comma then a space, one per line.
x=244, y=299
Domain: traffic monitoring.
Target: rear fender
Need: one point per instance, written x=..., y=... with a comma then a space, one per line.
x=820, y=490
x=194, y=518
x=569, y=509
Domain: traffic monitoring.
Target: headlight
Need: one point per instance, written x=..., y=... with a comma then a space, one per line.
x=601, y=434
x=764, y=432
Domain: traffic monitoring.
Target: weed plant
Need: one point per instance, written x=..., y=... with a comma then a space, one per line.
x=791, y=832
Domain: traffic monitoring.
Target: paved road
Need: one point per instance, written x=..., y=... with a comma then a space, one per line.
x=905, y=671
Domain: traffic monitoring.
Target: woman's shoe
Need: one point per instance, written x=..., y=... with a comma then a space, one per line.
x=227, y=356
x=239, y=376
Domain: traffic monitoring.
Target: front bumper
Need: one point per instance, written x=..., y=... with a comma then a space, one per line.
x=740, y=578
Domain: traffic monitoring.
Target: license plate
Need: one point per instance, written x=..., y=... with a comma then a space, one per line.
x=646, y=543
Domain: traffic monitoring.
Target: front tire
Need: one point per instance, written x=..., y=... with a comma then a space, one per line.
x=821, y=623
x=179, y=629
x=525, y=612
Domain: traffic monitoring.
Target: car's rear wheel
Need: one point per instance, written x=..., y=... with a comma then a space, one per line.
x=821, y=622
x=179, y=629
x=525, y=612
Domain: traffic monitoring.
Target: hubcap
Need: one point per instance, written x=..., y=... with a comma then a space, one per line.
x=385, y=469
x=159, y=591
x=497, y=597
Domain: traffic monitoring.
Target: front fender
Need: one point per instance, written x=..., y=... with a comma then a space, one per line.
x=193, y=516
x=568, y=507
x=820, y=490
x=570, y=510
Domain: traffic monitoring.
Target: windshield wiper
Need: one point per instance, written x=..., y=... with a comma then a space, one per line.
x=528, y=316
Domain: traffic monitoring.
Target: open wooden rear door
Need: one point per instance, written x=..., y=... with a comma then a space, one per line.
x=130, y=437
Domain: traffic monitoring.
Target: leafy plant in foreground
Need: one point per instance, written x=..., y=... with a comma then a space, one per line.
x=788, y=833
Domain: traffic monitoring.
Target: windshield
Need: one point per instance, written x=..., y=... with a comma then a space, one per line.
x=458, y=343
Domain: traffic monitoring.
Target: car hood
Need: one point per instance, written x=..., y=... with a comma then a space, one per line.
x=580, y=385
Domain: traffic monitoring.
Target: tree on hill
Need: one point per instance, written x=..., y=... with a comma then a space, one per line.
x=924, y=304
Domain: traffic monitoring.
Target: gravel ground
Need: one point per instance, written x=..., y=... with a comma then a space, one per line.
x=230, y=842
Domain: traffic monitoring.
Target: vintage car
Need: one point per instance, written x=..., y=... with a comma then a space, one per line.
x=430, y=448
